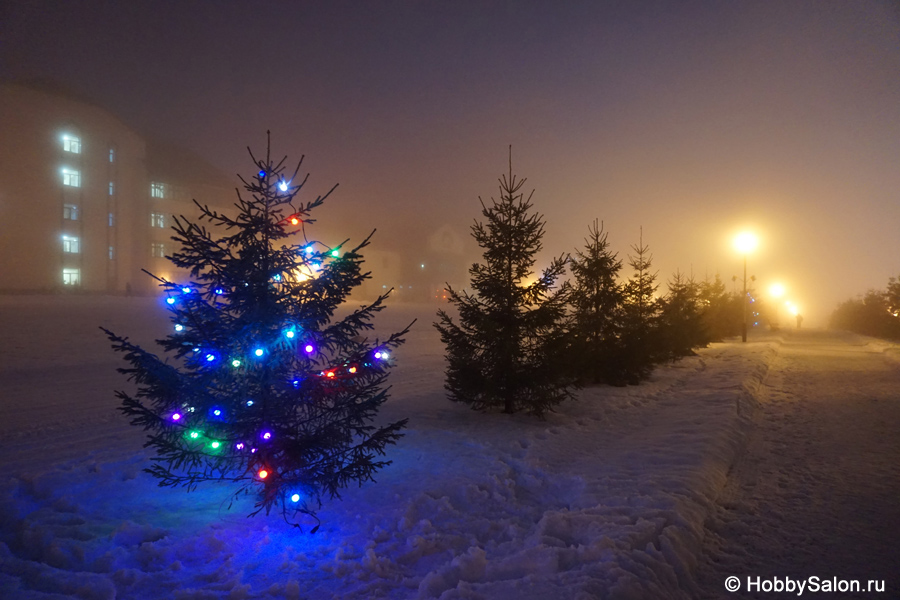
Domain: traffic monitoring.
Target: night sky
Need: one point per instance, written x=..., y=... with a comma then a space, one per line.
x=692, y=120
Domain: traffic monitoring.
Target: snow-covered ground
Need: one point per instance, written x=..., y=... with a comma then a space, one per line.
x=616, y=495
x=816, y=491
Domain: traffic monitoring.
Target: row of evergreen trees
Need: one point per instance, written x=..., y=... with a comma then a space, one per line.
x=877, y=313
x=519, y=343
x=262, y=384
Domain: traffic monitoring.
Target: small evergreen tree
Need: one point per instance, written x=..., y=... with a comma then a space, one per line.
x=640, y=347
x=721, y=311
x=596, y=301
x=892, y=294
x=267, y=389
x=877, y=313
x=506, y=350
x=681, y=323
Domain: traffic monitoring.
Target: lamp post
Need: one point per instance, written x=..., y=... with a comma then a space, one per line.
x=745, y=243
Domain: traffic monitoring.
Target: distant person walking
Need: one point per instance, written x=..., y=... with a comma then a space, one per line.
x=799, y=320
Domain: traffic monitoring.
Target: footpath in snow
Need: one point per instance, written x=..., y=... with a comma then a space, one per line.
x=814, y=498
x=609, y=497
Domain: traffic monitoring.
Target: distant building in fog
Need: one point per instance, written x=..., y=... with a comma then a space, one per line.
x=86, y=202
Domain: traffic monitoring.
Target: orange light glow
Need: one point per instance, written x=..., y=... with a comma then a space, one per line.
x=746, y=242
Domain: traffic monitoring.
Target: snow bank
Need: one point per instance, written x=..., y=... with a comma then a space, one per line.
x=606, y=498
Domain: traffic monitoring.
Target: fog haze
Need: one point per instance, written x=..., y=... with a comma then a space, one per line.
x=690, y=120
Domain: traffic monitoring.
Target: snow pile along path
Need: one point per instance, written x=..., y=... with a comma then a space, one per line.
x=606, y=498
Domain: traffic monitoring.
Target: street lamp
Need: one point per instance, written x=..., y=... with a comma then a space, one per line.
x=745, y=243
x=776, y=290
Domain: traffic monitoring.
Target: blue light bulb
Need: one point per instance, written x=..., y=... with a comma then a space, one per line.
x=258, y=352
x=170, y=300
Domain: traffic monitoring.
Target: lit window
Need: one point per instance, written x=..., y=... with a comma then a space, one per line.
x=71, y=143
x=71, y=177
x=71, y=244
x=157, y=190
x=112, y=155
x=157, y=220
x=112, y=219
x=70, y=212
x=71, y=276
x=158, y=250
x=112, y=188
x=112, y=252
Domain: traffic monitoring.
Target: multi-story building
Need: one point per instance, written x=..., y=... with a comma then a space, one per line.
x=85, y=201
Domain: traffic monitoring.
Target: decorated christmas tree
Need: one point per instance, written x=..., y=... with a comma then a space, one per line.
x=263, y=385
x=507, y=348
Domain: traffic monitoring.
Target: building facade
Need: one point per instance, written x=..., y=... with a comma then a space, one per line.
x=86, y=203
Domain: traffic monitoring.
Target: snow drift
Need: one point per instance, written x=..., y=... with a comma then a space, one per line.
x=606, y=498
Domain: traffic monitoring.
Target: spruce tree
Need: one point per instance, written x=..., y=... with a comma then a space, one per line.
x=596, y=301
x=506, y=351
x=721, y=311
x=641, y=346
x=681, y=324
x=263, y=385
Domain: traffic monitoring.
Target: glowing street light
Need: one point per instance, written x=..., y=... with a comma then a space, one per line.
x=776, y=290
x=745, y=243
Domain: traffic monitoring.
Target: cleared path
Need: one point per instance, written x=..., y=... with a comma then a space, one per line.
x=817, y=491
